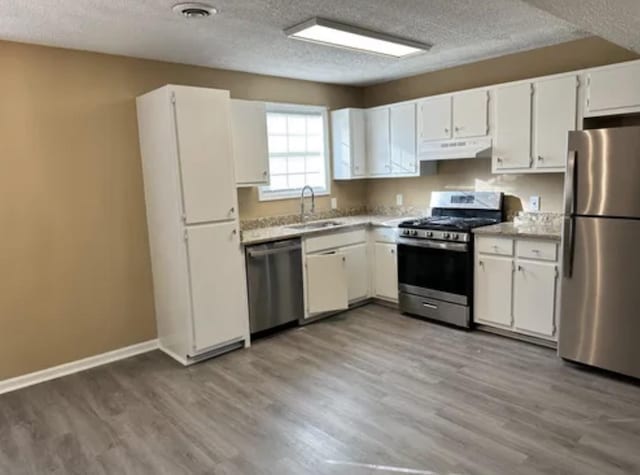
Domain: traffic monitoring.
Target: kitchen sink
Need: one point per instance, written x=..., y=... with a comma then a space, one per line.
x=316, y=225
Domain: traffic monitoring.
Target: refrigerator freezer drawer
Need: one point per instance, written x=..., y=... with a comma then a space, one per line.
x=600, y=309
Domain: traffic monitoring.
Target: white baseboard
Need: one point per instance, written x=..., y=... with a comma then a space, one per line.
x=48, y=374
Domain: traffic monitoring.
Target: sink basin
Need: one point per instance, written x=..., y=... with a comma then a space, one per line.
x=316, y=225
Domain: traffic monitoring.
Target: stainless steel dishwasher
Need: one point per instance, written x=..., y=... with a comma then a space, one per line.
x=274, y=278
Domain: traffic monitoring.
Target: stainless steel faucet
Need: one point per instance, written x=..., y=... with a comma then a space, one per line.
x=313, y=203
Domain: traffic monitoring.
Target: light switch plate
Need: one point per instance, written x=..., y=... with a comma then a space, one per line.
x=334, y=203
x=399, y=199
x=534, y=203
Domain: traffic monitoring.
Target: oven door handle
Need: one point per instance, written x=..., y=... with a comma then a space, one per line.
x=444, y=245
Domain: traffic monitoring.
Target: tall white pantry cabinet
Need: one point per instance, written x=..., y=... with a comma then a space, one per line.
x=190, y=193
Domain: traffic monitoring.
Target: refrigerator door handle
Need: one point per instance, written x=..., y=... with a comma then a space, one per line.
x=569, y=209
x=567, y=247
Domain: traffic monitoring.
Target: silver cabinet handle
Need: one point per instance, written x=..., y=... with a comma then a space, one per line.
x=540, y=158
x=235, y=231
x=264, y=173
x=446, y=131
x=481, y=263
x=393, y=251
x=520, y=268
x=232, y=210
x=429, y=305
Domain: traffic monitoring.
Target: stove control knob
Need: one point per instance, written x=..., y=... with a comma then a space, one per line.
x=447, y=235
x=430, y=234
x=414, y=232
x=455, y=237
x=405, y=232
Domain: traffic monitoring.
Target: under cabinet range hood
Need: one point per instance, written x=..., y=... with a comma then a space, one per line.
x=479, y=147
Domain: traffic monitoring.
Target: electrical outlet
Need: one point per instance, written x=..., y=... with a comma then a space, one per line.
x=334, y=203
x=399, y=199
x=534, y=203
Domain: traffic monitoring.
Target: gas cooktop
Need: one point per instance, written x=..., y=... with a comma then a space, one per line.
x=447, y=223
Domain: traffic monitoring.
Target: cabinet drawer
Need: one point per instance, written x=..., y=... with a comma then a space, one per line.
x=495, y=245
x=335, y=240
x=388, y=235
x=542, y=250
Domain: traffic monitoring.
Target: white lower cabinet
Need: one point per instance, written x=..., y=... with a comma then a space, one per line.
x=326, y=287
x=517, y=291
x=357, y=272
x=534, y=297
x=219, y=305
x=386, y=271
x=494, y=288
x=336, y=271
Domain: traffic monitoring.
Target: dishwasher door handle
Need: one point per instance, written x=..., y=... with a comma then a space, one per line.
x=271, y=252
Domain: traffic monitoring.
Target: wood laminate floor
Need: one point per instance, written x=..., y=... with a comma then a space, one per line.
x=367, y=392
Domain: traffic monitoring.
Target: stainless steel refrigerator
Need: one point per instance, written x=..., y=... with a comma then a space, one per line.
x=600, y=306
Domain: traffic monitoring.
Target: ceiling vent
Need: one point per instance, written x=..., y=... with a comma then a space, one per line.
x=194, y=10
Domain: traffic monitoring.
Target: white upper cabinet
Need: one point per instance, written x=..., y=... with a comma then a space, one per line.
x=613, y=90
x=202, y=122
x=434, y=118
x=512, y=145
x=471, y=114
x=403, y=138
x=378, y=141
x=348, y=144
x=249, y=131
x=555, y=114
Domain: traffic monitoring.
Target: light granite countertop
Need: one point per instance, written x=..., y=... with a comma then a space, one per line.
x=525, y=230
x=275, y=233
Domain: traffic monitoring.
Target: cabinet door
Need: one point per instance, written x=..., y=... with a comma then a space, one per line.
x=614, y=89
x=202, y=120
x=326, y=283
x=377, y=138
x=386, y=271
x=341, y=144
x=470, y=114
x=555, y=112
x=493, y=290
x=251, y=156
x=216, y=274
x=512, y=147
x=403, y=139
x=357, y=272
x=434, y=118
x=535, y=298
x=357, y=142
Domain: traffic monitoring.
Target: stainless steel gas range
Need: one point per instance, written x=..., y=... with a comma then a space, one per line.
x=435, y=255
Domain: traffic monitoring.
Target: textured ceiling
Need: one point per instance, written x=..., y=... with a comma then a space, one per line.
x=247, y=34
x=615, y=20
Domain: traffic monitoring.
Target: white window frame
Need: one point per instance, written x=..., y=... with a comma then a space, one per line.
x=263, y=193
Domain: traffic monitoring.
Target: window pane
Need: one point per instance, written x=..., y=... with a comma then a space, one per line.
x=296, y=164
x=278, y=182
x=314, y=125
x=277, y=144
x=315, y=164
x=314, y=143
x=315, y=180
x=297, y=144
x=297, y=124
x=278, y=165
x=277, y=124
x=297, y=181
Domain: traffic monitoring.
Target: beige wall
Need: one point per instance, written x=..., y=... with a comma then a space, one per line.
x=475, y=174
x=469, y=175
x=75, y=274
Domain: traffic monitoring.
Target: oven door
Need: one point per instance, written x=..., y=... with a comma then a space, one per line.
x=436, y=269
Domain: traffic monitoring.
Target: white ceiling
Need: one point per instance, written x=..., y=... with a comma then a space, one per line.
x=247, y=34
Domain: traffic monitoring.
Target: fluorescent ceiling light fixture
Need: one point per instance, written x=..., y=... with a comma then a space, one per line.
x=330, y=33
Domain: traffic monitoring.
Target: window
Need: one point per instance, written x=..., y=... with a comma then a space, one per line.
x=297, y=151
